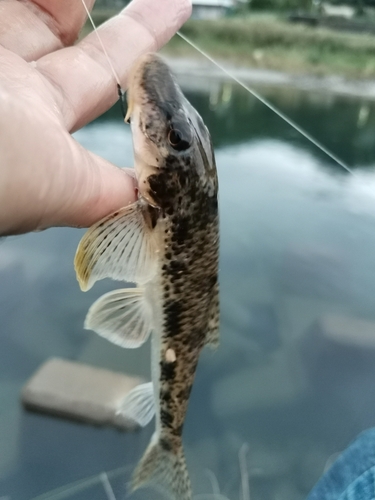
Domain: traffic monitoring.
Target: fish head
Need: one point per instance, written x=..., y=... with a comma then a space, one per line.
x=168, y=133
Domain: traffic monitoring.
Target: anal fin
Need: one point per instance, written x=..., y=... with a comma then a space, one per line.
x=139, y=404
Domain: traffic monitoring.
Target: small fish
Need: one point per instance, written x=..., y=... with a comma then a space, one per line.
x=167, y=242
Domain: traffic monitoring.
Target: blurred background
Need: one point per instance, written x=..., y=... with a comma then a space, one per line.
x=299, y=36
x=294, y=374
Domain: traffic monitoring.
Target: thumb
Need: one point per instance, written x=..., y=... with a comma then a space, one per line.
x=51, y=180
x=93, y=189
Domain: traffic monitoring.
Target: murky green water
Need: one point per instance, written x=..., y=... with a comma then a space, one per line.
x=294, y=375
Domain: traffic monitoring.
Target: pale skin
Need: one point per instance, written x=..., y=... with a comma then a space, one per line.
x=48, y=89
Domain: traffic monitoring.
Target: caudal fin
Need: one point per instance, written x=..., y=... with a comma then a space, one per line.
x=162, y=466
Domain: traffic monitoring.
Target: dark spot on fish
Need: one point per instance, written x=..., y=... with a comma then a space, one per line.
x=178, y=430
x=165, y=444
x=168, y=255
x=185, y=341
x=212, y=281
x=172, y=312
x=184, y=393
x=167, y=370
x=212, y=205
x=176, y=267
x=180, y=231
x=165, y=395
x=162, y=189
x=166, y=418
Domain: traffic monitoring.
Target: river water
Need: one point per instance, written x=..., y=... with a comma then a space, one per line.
x=294, y=375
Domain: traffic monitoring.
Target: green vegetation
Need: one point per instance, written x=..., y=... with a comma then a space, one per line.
x=279, y=5
x=265, y=41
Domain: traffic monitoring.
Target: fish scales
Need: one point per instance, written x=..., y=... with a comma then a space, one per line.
x=167, y=243
x=189, y=276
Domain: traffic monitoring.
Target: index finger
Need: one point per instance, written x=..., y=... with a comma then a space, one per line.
x=84, y=84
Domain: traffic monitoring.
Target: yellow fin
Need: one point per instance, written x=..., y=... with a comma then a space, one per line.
x=120, y=247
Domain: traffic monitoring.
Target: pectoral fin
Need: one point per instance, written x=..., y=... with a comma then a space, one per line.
x=122, y=316
x=120, y=247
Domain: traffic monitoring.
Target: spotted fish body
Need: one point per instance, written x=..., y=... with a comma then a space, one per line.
x=167, y=243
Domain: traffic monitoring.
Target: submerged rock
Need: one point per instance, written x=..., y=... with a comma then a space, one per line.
x=79, y=392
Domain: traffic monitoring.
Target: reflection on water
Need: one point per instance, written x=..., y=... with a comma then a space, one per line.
x=294, y=374
x=343, y=125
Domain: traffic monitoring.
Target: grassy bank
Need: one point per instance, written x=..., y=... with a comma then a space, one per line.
x=269, y=42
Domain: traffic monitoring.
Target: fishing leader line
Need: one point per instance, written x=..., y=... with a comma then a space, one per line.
x=240, y=82
x=120, y=92
x=101, y=43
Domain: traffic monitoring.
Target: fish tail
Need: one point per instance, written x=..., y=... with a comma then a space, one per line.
x=166, y=467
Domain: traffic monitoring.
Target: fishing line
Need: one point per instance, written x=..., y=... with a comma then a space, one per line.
x=269, y=105
x=120, y=92
x=102, y=45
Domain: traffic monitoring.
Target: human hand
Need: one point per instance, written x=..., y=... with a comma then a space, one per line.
x=48, y=90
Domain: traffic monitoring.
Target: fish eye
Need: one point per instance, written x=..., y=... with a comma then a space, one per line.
x=177, y=141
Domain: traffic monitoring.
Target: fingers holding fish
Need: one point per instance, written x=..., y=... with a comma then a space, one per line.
x=81, y=75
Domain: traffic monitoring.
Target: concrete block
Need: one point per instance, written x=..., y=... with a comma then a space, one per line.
x=80, y=392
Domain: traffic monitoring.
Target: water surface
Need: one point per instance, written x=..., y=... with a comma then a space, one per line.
x=293, y=376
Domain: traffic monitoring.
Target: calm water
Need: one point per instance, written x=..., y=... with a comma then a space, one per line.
x=294, y=375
